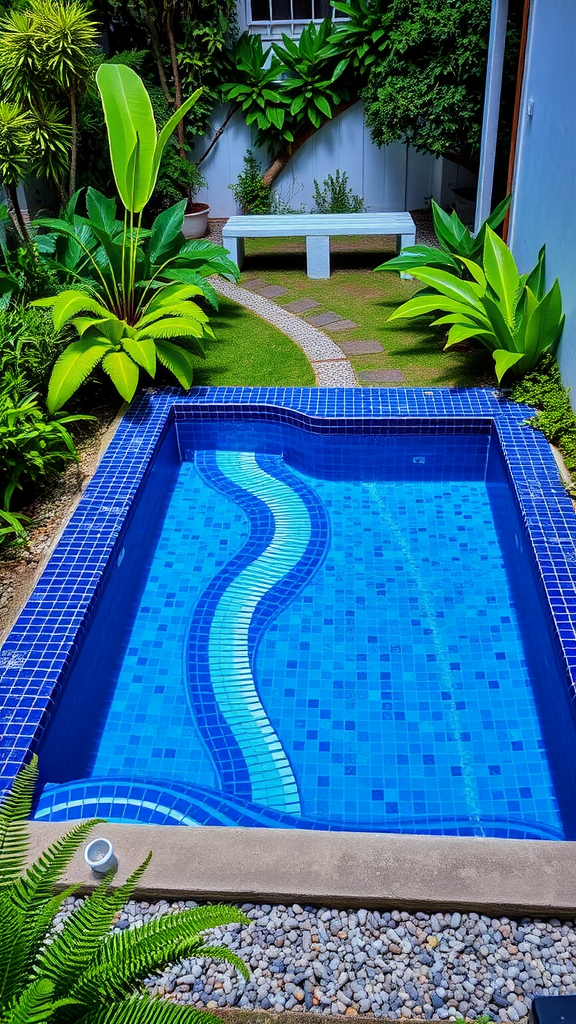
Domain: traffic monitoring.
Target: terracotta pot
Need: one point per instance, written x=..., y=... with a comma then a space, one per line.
x=196, y=220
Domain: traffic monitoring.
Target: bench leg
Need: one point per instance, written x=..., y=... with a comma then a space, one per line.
x=318, y=256
x=236, y=247
x=406, y=240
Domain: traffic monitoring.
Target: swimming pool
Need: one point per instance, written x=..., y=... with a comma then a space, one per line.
x=327, y=617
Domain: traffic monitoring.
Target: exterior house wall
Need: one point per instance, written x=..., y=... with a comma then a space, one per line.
x=544, y=207
x=393, y=178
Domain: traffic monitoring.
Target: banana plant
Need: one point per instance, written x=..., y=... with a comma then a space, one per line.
x=455, y=240
x=508, y=313
x=88, y=251
x=136, y=283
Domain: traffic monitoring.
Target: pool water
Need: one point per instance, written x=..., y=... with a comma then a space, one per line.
x=324, y=632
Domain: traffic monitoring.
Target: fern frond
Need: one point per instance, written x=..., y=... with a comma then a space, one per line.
x=142, y=1010
x=131, y=955
x=73, y=950
x=36, y=1004
x=223, y=953
x=14, y=813
x=38, y=882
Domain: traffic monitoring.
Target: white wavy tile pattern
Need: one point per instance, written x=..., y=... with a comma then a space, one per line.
x=271, y=776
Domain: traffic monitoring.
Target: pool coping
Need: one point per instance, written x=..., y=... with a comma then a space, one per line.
x=499, y=877
x=36, y=654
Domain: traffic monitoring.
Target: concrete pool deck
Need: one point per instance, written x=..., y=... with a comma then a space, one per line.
x=340, y=869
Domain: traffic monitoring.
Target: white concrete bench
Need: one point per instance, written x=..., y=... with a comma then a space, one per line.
x=317, y=229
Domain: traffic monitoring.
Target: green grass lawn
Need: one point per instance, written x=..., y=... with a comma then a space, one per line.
x=250, y=352
x=368, y=299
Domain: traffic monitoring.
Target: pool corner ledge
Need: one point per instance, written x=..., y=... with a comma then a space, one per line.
x=343, y=869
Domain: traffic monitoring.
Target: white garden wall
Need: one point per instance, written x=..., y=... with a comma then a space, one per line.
x=393, y=178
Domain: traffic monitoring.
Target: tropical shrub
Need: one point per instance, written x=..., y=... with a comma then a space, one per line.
x=137, y=284
x=33, y=447
x=507, y=313
x=249, y=191
x=454, y=241
x=29, y=344
x=83, y=973
x=254, y=89
x=335, y=196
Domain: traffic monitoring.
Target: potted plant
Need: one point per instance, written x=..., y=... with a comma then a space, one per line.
x=179, y=178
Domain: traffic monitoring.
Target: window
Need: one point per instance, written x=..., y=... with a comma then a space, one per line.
x=288, y=10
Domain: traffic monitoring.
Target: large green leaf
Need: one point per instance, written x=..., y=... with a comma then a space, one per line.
x=450, y=285
x=170, y=127
x=67, y=304
x=536, y=277
x=143, y=352
x=419, y=256
x=166, y=229
x=452, y=234
x=501, y=273
x=131, y=132
x=72, y=368
x=178, y=361
x=504, y=361
x=421, y=304
x=123, y=373
x=544, y=325
x=186, y=309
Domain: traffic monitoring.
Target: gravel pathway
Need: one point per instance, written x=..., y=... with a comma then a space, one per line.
x=394, y=964
x=330, y=365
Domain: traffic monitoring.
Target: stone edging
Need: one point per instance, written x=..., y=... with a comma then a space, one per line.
x=330, y=365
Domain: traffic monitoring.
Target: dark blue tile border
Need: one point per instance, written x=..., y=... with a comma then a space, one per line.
x=42, y=644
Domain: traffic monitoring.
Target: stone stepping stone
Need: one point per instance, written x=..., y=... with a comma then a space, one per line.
x=323, y=319
x=301, y=305
x=271, y=291
x=360, y=348
x=342, y=325
x=382, y=376
x=254, y=283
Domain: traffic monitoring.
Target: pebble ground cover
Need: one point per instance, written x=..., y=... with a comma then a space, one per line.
x=388, y=964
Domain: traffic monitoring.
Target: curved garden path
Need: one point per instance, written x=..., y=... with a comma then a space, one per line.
x=330, y=365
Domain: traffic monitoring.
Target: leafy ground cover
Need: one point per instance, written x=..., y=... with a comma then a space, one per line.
x=368, y=299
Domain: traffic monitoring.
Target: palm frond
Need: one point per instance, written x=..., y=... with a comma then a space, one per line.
x=14, y=813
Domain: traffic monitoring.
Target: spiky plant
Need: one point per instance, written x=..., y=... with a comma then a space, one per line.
x=84, y=974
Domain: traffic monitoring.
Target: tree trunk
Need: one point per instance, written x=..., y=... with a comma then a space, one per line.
x=74, y=146
x=302, y=135
x=176, y=76
x=155, y=43
x=219, y=133
x=15, y=211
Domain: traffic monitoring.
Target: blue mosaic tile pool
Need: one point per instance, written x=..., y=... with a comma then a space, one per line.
x=330, y=624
